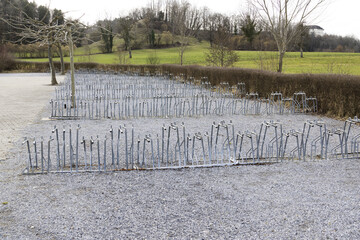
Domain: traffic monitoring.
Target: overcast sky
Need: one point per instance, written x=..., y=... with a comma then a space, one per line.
x=341, y=17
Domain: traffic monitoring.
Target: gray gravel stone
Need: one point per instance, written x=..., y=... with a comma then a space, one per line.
x=292, y=200
x=286, y=201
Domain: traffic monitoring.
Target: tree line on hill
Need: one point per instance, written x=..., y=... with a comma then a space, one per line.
x=155, y=26
x=175, y=23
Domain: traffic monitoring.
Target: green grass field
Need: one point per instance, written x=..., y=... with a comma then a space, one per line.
x=315, y=62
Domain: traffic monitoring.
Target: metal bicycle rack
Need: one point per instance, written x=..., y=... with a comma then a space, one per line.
x=68, y=150
x=110, y=96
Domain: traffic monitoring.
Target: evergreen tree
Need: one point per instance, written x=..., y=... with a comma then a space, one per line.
x=249, y=29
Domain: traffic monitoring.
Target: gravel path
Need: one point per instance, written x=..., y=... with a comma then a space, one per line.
x=294, y=200
x=22, y=96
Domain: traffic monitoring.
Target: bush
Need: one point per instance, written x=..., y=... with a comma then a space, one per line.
x=338, y=95
x=152, y=59
x=6, y=59
x=35, y=50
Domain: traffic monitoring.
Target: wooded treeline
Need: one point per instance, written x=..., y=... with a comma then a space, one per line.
x=266, y=26
x=157, y=25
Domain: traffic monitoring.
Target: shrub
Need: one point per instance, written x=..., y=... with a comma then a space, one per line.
x=6, y=59
x=152, y=59
x=338, y=95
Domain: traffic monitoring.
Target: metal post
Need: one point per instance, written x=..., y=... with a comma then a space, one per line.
x=104, y=153
x=49, y=160
x=35, y=154
x=77, y=147
x=112, y=147
x=98, y=153
x=64, y=145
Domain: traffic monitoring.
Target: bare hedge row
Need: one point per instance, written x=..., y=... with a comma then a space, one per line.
x=338, y=95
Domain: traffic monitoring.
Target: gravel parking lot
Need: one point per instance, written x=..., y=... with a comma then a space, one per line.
x=292, y=200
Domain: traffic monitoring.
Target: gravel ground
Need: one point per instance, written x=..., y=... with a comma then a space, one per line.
x=286, y=201
x=293, y=200
x=22, y=96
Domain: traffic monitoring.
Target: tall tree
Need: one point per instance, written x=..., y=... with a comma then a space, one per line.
x=59, y=19
x=45, y=18
x=281, y=17
x=249, y=28
x=217, y=21
x=303, y=35
x=188, y=23
x=107, y=35
x=69, y=28
x=125, y=26
x=152, y=38
x=43, y=14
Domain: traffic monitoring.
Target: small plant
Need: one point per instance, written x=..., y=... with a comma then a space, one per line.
x=153, y=59
x=221, y=56
x=334, y=67
x=267, y=61
x=122, y=57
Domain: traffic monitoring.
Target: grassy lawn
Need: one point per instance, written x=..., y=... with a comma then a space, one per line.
x=315, y=62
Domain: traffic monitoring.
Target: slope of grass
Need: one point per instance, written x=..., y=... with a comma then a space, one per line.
x=94, y=48
x=315, y=62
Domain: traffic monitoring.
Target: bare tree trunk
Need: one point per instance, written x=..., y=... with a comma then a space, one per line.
x=72, y=70
x=52, y=67
x=182, y=50
x=61, y=60
x=130, y=54
x=301, y=52
x=281, y=60
x=222, y=58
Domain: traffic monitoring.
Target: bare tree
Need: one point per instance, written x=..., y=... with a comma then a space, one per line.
x=188, y=23
x=125, y=27
x=303, y=34
x=205, y=14
x=32, y=30
x=69, y=28
x=282, y=16
x=58, y=18
x=48, y=33
x=216, y=22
